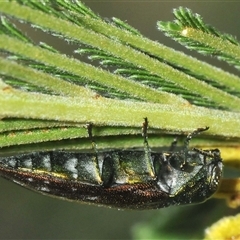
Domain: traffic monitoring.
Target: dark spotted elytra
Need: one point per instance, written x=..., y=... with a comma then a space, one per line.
x=131, y=179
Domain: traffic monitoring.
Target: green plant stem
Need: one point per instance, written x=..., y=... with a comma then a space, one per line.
x=116, y=113
x=47, y=81
x=25, y=124
x=124, y=52
x=85, y=70
x=220, y=45
x=31, y=136
x=76, y=138
x=163, y=52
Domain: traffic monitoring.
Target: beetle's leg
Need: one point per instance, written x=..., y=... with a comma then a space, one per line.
x=173, y=145
x=210, y=153
x=190, y=135
x=188, y=139
x=144, y=133
x=94, y=145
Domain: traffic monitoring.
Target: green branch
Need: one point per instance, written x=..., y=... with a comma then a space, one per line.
x=223, y=47
x=140, y=58
x=47, y=81
x=127, y=53
x=116, y=113
x=190, y=30
x=85, y=70
x=168, y=54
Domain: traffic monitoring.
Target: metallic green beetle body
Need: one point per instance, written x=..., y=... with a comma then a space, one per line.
x=123, y=179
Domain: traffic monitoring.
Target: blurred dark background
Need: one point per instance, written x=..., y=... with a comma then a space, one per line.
x=29, y=215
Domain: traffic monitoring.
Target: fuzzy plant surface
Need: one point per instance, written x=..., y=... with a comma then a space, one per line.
x=48, y=97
